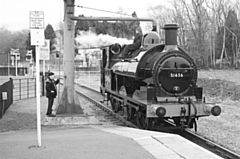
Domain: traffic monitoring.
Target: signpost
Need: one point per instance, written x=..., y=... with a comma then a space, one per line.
x=44, y=50
x=37, y=38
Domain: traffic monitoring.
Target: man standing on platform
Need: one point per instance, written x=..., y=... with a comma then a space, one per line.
x=51, y=92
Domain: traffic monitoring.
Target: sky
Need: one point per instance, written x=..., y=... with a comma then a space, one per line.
x=14, y=14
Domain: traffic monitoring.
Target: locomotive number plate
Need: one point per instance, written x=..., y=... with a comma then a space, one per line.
x=176, y=75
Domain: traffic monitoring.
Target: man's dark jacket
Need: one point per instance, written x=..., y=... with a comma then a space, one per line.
x=51, y=90
x=136, y=42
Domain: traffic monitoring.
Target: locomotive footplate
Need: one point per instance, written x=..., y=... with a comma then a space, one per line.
x=183, y=114
x=170, y=110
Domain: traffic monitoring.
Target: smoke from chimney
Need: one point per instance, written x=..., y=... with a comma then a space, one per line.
x=88, y=39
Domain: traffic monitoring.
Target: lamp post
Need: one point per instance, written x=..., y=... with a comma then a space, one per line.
x=8, y=64
x=29, y=58
x=16, y=64
x=16, y=54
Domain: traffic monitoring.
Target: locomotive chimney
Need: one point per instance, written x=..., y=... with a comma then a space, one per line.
x=171, y=36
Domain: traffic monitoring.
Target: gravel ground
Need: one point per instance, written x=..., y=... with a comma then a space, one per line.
x=228, y=75
x=222, y=87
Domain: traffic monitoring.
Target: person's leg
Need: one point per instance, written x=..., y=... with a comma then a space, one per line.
x=48, y=108
x=50, y=104
x=124, y=52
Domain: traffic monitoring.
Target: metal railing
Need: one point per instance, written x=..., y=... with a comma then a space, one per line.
x=24, y=88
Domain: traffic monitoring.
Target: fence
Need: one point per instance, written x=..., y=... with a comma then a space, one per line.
x=6, y=96
x=7, y=71
x=26, y=88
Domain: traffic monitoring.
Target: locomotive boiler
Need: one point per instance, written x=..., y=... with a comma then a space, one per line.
x=155, y=83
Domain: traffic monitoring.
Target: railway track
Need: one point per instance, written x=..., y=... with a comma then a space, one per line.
x=209, y=145
x=188, y=134
x=116, y=118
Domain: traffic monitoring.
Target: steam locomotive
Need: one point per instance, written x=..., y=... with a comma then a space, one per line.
x=156, y=83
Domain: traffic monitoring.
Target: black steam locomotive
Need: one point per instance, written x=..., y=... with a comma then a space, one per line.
x=157, y=82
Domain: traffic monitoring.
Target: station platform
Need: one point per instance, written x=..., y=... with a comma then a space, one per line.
x=86, y=140
x=100, y=142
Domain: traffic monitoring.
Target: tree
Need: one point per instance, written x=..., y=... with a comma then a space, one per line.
x=19, y=42
x=120, y=29
x=102, y=27
x=162, y=15
x=14, y=40
x=180, y=17
x=81, y=25
x=196, y=14
x=215, y=15
x=201, y=27
x=5, y=40
x=232, y=26
x=50, y=34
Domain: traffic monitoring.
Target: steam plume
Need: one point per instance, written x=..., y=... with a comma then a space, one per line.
x=87, y=39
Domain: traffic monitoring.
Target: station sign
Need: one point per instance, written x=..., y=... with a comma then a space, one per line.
x=44, y=50
x=36, y=19
x=36, y=27
x=4, y=95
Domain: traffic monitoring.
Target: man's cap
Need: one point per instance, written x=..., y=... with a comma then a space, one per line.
x=138, y=29
x=49, y=73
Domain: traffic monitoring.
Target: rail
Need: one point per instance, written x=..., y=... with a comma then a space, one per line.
x=209, y=145
x=102, y=105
